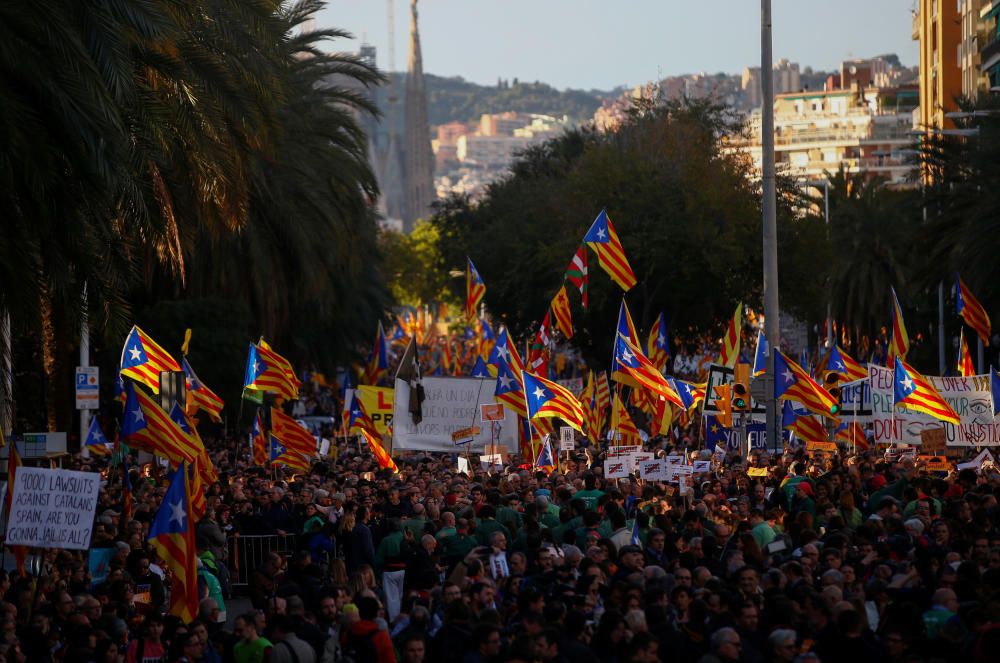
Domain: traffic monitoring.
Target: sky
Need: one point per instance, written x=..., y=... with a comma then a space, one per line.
x=601, y=44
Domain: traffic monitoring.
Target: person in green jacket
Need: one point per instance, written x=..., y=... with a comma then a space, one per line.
x=487, y=525
x=251, y=648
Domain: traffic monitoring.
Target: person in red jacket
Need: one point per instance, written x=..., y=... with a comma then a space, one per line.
x=364, y=640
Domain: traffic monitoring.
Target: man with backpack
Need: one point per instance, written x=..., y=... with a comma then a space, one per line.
x=365, y=642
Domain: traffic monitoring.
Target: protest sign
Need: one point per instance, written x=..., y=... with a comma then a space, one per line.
x=701, y=466
x=976, y=463
x=450, y=405
x=463, y=465
x=970, y=397
x=856, y=401
x=653, y=470
x=491, y=412
x=567, y=441
x=931, y=440
x=757, y=471
x=378, y=402
x=616, y=468
x=53, y=508
x=491, y=462
x=827, y=447
x=674, y=460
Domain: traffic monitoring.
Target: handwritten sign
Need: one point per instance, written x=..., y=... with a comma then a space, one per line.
x=969, y=396
x=932, y=439
x=817, y=445
x=53, y=508
x=757, y=471
x=702, y=466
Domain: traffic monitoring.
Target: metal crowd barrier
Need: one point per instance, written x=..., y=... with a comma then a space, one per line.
x=247, y=552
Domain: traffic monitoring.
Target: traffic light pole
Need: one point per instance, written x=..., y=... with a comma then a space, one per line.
x=772, y=328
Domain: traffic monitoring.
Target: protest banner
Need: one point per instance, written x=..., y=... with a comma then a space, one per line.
x=970, y=397
x=450, y=405
x=856, y=401
x=53, y=508
x=491, y=412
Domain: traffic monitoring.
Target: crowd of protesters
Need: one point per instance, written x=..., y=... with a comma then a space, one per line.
x=846, y=557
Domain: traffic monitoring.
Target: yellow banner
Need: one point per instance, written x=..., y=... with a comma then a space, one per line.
x=378, y=404
x=829, y=447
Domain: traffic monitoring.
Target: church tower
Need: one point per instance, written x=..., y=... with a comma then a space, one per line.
x=419, y=159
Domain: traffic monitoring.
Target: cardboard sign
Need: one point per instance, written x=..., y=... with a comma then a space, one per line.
x=674, y=460
x=463, y=465
x=567, y=441
x=817, y=446
x=932, y=439
x=616, y=468
x=757, y=471
x=653, y=470
x=491, y=411
x=465, y=435
x=702, y=466
x=53, y=508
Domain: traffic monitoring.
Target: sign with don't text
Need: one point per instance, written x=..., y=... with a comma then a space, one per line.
x=53, y=508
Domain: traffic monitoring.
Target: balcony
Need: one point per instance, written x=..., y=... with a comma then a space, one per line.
x=991, y=46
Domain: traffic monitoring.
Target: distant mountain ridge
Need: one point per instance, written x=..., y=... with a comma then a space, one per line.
x=454, y=99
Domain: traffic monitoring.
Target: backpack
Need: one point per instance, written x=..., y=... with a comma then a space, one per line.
x=360, y=648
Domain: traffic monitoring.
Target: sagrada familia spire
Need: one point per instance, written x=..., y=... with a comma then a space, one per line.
x=418, y=157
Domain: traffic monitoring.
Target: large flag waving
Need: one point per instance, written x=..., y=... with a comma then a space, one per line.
x=199, y=396
x=912, y=391
x=268, y=371
x=576, y=273
x=969, y=308
x=731, y=340
x=172, y=536
x=840, y=362
x=604, y=241
x=294, y=436
x=143, y=360
x=793, y=383
x=637, y=371
x=545, y=398
x=899, y=341
x=852, y=433
x=509, y=390
x=475, y=289
x=627, y=329
x=146, y=426
x=564, y=318
x=282, y=455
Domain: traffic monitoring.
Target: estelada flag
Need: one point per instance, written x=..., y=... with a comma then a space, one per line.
x=475, y=289
x=545, y=398
x=294, y=436
x=965, y=365
x=143, y=360
x=172, y=536
x=913, y=392
x=793, y=383
x=199, y=396
x=658, y=346
x=852, y=433
x=840, y=362
x=969, y=308
x=564, y=318
x=383, y=459
x=603, y=240
x=899, y=340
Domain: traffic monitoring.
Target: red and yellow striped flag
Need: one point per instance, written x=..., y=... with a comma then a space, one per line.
x=564, y=318
x=603, y=240
x=731, y=340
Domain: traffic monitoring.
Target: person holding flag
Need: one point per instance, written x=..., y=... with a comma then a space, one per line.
x=172, y=536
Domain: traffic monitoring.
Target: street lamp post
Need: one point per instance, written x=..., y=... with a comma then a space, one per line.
x=772, y=327
x=825, y=184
